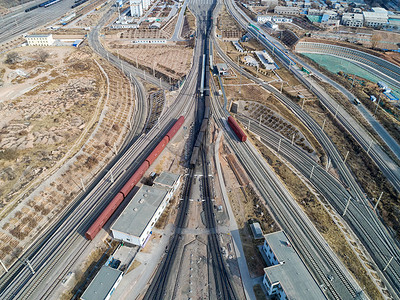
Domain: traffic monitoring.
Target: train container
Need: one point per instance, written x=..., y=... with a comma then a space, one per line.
x=114, y=204
x=207, y=113
x=104, y=216
x=236, y=128
x=207, y=101
x=157, y=150
x=195, y=155
x=32, y=8
x=204, y=125
x=51, y=3
x=174, y=129
x=199, y=139
x=135, y=178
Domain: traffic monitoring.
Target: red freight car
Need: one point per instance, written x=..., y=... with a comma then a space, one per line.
x=157, y=150
x=112, y=207
x=104, y=216
x=236, y=128
x=135, y=178
x=174, y=129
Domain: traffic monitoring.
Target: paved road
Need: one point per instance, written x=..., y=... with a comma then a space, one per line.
x=178, y=28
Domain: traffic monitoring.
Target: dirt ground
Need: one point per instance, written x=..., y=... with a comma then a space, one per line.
x=57, y=139
x=171, y=60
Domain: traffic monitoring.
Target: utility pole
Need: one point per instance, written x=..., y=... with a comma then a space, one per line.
x=83, y=185
x=248, y=127
x=293, y=139
x=323, y=125
x=377, y=104
x=281, y=86
x=260, y=119
x=377, y=202
x=4, y=267
x=302, y=106
x=111, y=176
x=337, y=108
x=312, y=171
x=279, y=145
x=390, y=260
x=345, y=157
x=347, y=205
x=136, y=63
x=30, y=267
x=328, y=164
x=240, y=80
x=369, y=147
x=160, y=83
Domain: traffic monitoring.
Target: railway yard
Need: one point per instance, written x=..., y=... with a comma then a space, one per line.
x=208, y=135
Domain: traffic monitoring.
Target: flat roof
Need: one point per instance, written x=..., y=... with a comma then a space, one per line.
x=137, y=214
x=166, y=178
x=38, y=35
x=102, y=284
x=293, y=275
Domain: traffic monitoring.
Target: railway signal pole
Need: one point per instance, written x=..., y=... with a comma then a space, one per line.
x=369, y=147
x=337, y=109
x=279, y=145
x=293, y=139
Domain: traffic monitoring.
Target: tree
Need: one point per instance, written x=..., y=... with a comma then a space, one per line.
x=41, y=55
x=375, y=39
x=12, y=58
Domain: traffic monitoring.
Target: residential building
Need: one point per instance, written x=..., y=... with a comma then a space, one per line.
x=287, y=277
x=353, y=20
x=40, y=40
x=146, y=4
x=285, y=10
x=136, y=8
x=103, y=285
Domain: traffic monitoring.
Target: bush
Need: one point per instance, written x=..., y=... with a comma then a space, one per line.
x=12, y=58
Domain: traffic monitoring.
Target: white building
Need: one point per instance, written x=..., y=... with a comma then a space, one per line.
x=103, y=285
x=146, y=4
x=262, y=19
x=271, y=25
x=136, y=8
x=287, y=277
x=285, y=10
x=375, y=19
x=353, y=20
x=135, y=224
x=40, y=40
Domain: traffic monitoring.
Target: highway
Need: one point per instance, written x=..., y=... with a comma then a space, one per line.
x=377, y=154
x=319, y=258
x=52, y=255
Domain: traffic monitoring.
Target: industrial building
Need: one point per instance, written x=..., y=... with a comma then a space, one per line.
x=168, y=181
x=375, y=18
x=103, y=285
x=353, y=20
x=286, y=10
x=40, y=40
x=135, y=224
x=287, y=277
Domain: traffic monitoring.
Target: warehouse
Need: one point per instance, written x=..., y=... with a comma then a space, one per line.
x=103, y=285
x=40, y=40
x=287, y=277
x=135, y=224
x=168, y=180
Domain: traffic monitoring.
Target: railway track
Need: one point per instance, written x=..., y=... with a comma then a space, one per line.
x=303, y=234
x=224, y=287
x=357, y=214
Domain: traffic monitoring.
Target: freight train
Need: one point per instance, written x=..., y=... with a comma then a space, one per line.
x=77, y=3
x=114, y=204
x=236, y=128
x=202, y=132
x=43, y=4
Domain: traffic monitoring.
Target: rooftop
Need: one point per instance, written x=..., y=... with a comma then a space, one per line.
x=293, y=275
x=136, y=215
x=38, y=35
x=102, y=284
x=167, y=179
